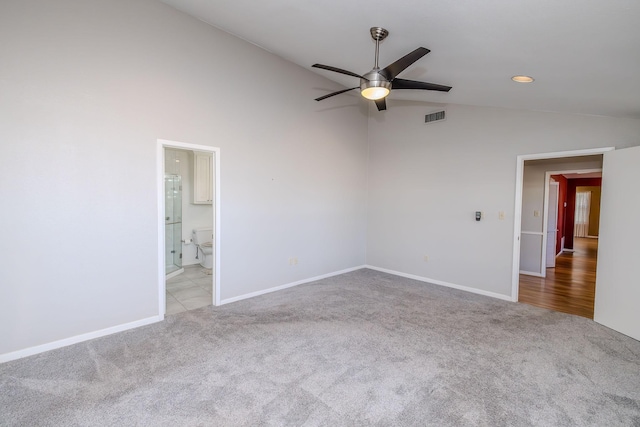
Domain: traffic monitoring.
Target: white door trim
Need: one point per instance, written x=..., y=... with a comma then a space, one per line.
x=517, y=222
x=545, y=220
x=161, y=145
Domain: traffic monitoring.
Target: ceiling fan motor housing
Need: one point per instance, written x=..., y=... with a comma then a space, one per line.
x=374, y=79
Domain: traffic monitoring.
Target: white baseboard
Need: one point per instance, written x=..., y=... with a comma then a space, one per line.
x=76, y=339
x=441, y=283
x=289, y=285
x=531, y=273
x=149, y=320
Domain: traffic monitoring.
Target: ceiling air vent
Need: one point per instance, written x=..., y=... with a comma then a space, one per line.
x=434, y=117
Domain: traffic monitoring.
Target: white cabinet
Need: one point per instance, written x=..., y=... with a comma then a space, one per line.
x=202, y=178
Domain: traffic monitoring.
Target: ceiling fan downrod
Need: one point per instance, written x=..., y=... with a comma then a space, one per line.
x=378, y=34
x=373, y=85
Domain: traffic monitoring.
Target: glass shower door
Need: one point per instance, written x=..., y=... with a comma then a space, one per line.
x=173, y=222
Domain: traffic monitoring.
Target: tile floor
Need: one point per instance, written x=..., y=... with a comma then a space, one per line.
x=189, y=290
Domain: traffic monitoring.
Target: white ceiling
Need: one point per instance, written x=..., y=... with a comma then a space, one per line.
x=584, y=54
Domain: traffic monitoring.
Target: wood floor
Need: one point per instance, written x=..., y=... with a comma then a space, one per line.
x=570, y=286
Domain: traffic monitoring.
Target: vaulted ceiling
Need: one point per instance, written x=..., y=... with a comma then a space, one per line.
x=583, y=54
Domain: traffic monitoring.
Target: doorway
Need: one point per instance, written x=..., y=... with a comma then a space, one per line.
x=189, y=273
x=569, y=285
x=529, y=216
x=617, y=267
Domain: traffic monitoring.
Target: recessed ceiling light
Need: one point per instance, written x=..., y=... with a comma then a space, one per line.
x=522, y=79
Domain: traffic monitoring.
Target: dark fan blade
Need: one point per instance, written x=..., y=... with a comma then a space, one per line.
x=337, y=70
x=381, y=104
x=336, y=93
x=412, y=84
x=391, y=71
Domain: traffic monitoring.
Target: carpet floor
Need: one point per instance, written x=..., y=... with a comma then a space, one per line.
x=360, y=349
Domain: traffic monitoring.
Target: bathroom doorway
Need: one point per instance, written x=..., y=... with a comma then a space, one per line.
x=188, y=196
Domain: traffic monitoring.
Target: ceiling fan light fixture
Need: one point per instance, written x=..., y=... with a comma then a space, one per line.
x=522, y=79
x=374, y=86
x=374, y=93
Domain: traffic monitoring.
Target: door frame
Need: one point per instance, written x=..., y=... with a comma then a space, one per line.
x=215, y=178
x=545, y=220
x=517, y=217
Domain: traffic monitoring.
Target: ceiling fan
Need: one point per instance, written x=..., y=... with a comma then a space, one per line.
x=377, y=83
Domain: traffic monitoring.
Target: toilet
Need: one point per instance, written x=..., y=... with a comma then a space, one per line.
x=203, y=239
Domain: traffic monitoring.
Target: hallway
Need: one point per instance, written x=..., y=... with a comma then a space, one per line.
x=570, y=286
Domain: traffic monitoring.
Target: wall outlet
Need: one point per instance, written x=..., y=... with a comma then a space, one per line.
x=293, y=261
x=501, y=215
x=426, y=258
x=536, y=213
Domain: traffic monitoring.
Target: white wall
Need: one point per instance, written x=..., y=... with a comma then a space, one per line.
x=533, y=188
x=193, y=216
x=427, y=180
x=87, y=84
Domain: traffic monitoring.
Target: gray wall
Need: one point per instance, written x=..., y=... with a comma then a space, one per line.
x=427, y=180
x=89, y=84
